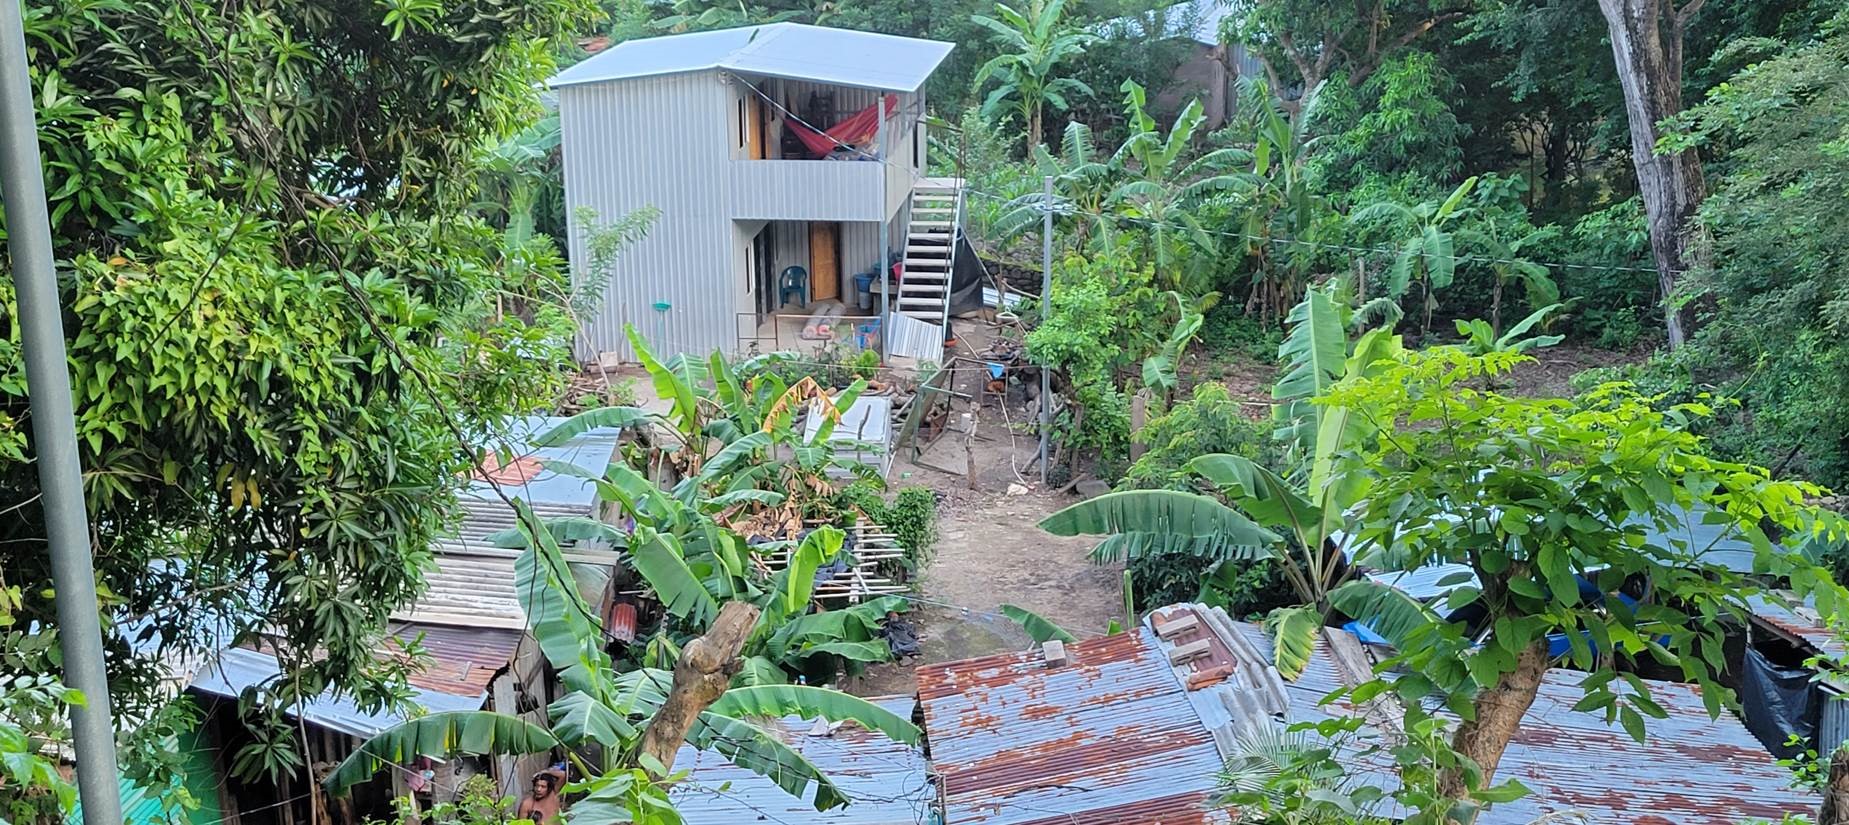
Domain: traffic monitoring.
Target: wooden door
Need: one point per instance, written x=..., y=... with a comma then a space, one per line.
x=754, y=128
x=824, y=261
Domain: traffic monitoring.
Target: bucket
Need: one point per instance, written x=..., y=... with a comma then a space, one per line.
x=863, y=290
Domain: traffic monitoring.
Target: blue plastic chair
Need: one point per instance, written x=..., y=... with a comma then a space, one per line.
x=794, y=279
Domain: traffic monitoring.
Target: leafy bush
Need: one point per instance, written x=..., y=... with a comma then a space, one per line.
x=1245, y=591
x=1210, y=421
x=1229, y=329
x=911, y=517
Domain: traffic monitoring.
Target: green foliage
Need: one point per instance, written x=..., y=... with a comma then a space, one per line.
x=1547, y=486
x=1780, y=130
x=33, y=714
x=280, y=309
x=1035, y=41
x=440, y=735
x=1394, y=134
x=1037, y=626
x=1209, y=421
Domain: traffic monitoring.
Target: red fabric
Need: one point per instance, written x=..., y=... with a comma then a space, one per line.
x=859, y=128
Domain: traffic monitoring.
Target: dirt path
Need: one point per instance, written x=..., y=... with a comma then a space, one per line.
x=991, y=552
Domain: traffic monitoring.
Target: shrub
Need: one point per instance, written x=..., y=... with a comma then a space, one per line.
x=1210, y=421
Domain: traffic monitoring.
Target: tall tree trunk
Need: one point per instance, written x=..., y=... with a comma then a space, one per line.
x=1646, y=42
x=705, y=669
x=1499, y=716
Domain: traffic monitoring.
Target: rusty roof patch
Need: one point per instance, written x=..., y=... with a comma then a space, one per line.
x=463, y=660
x=1108, y=738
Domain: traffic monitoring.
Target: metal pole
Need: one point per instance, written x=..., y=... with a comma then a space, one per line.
x=1046, y=309
x=54, y=429
x=883, y=272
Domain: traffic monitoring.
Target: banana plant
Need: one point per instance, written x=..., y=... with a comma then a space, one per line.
x=1258, y=514
x=1164, y=189
x=1035, y=40
x=1428, y=255
x=610, y=709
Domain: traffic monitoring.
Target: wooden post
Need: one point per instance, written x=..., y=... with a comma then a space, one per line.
x=706, y=667
x=1139, y=415
x=969, y=449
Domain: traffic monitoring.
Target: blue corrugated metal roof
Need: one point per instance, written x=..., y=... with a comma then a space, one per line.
x=886, y=780
x=789, y=50
x=526, y=476
x=231, y=671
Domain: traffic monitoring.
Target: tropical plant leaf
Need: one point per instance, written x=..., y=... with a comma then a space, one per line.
x=810, y=702
x=662, y=562
x=569, y=635
x=621, y=418
x=1037, y=626
x=579, y=717
x=817, y=548
x=1386, y=610
x=766, y=754
x=1293, y=638
x=1261, y=493
x=439, y=736
x=1168, y=519
x=1313, y=354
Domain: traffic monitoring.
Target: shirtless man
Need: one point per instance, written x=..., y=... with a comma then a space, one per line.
x=542, y=803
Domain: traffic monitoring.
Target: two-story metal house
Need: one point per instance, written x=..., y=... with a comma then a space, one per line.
x=762, y=149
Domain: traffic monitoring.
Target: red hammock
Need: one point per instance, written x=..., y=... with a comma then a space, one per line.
x=859, y=128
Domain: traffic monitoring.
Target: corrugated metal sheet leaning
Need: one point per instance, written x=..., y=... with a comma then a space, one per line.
x=1136, y=727
x=886, y=780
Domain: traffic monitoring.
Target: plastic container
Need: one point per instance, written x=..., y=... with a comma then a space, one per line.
x=863, y=290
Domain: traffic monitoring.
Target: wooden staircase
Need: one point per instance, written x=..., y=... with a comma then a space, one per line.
x=930, y=250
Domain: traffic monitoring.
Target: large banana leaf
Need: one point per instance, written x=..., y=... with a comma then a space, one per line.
x=564, y=529
x=1387, y=610
x=762, y=752
x=579, y=718
x=857, y=623
x=569, y=634
x=1293, y=637
x=810, y=702
x=1261, y=493
x=1146, y=522
x=661, y=561
x=872, y=650
x=678, y=380
x=1038, y=627
x=1313, y=354
x=728, y=459
x=439, y=735
x=570, y=428
x=798, y=579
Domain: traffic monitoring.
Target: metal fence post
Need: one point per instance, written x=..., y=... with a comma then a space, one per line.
x=54, y=429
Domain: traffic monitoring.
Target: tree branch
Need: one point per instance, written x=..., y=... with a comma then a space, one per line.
x=1363, y=71
x=1688, y=11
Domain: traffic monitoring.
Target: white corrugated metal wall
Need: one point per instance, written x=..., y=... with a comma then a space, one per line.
x=661, y=142
x=675, y=157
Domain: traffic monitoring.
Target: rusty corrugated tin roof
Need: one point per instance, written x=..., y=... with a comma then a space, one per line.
x=463, y=660
x=1799, y=622
x=1122, y=735
x=1109, y=737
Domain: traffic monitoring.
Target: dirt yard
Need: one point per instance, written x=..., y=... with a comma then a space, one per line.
x=990, y=552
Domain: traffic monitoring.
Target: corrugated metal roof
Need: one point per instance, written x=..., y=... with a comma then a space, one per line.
x=1108, y=738
x=524, y=474
x=789, y=50
x=233, y=670
x=1690, y=769
x=1114, y=736
x=462, y=660
x=1800, y=622
x=471, y=583
x=885, y=780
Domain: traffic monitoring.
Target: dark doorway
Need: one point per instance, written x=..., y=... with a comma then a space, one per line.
x=763, y=254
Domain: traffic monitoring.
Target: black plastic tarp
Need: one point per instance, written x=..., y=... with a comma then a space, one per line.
x=1779, y=702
